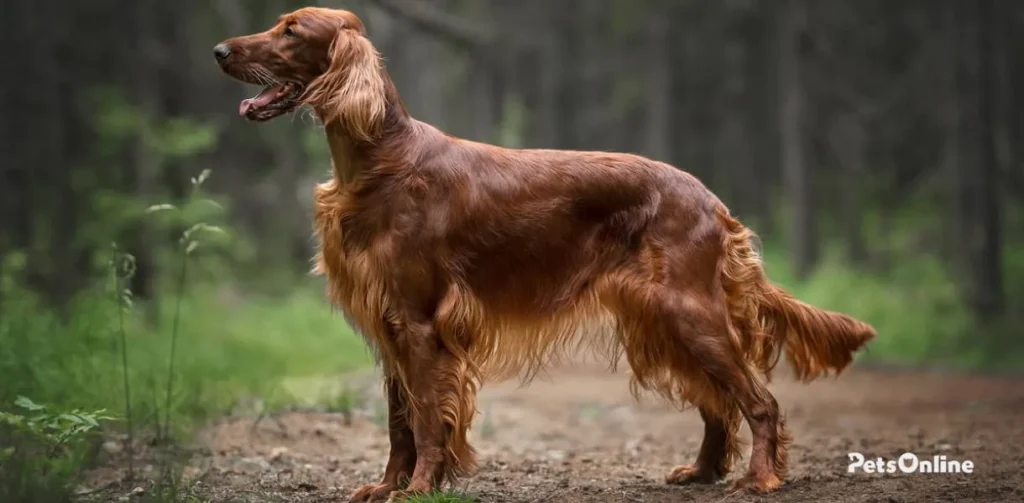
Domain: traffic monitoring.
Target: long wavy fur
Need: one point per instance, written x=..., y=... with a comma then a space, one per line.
x=816, y=342
x=351, y=91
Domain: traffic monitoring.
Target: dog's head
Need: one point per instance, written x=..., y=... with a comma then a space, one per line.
x=314, y=56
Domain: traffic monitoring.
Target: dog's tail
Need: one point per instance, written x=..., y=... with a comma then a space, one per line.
x=768, y=319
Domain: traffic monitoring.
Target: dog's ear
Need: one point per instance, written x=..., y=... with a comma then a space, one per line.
x=351, y=91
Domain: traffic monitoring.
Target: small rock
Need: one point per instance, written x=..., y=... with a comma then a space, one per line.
x=556, y=455
x=112, y=446
x=943, y=447
x=138, y=491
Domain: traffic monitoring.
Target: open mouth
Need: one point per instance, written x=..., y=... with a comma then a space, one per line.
x=272, y=101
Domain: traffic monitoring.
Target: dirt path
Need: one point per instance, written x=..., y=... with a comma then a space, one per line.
x=576, y=436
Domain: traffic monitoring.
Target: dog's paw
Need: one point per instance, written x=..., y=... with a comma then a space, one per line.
x=371, y=493
x=757, y=485
x=415, y=488
x=691, y=474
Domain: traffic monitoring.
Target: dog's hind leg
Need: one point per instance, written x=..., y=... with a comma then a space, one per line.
x=769, y=452
x=712, y=349
x=687, y=334
x=717, y=452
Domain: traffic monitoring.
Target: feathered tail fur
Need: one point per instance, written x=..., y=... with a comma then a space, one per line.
x=768, y=319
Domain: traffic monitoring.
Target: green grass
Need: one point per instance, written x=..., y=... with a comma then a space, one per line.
x=442, y=497
x=236, y=353
x=231, y=349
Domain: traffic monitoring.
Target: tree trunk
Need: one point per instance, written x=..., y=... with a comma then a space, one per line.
x=952, y=157
x=796, y=174
x=977, y=196
x=989, y=298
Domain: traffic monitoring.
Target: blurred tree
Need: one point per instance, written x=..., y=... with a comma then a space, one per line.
x=792, y=123
x=981, y=199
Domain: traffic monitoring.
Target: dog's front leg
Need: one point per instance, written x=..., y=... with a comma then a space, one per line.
x=427, y=421
x=402, y=459
x=442, y=406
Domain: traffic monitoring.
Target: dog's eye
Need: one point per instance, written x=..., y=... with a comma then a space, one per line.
x=288, y=32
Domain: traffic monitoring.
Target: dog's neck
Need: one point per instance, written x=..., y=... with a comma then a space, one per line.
x=351, y=156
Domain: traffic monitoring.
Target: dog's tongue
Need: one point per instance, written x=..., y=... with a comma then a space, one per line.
x=264, y=98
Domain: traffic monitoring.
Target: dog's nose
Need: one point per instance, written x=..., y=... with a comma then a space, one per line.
x=221, y=52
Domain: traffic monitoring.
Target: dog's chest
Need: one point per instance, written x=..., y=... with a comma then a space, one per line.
x=356, y=275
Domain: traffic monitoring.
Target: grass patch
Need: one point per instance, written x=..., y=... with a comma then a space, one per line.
x=229, y=350
x=198, y=351
x=442, y=497
x=234, y=354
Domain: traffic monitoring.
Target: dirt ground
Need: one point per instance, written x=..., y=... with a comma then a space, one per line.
x=575, y=435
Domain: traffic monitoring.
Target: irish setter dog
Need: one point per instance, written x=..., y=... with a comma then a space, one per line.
x=462, y=263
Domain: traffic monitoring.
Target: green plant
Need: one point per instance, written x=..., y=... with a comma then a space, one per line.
x=42, y=450
x=122, y=266
x=442, y=497
x=188, y=243
x=55, y=429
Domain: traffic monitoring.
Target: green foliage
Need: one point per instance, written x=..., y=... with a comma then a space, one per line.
x=117, y=121
x=222, y=353
x=41, y=450
x=442, y=497
x=234, y=355
x=53, y=429
x=235, y=352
